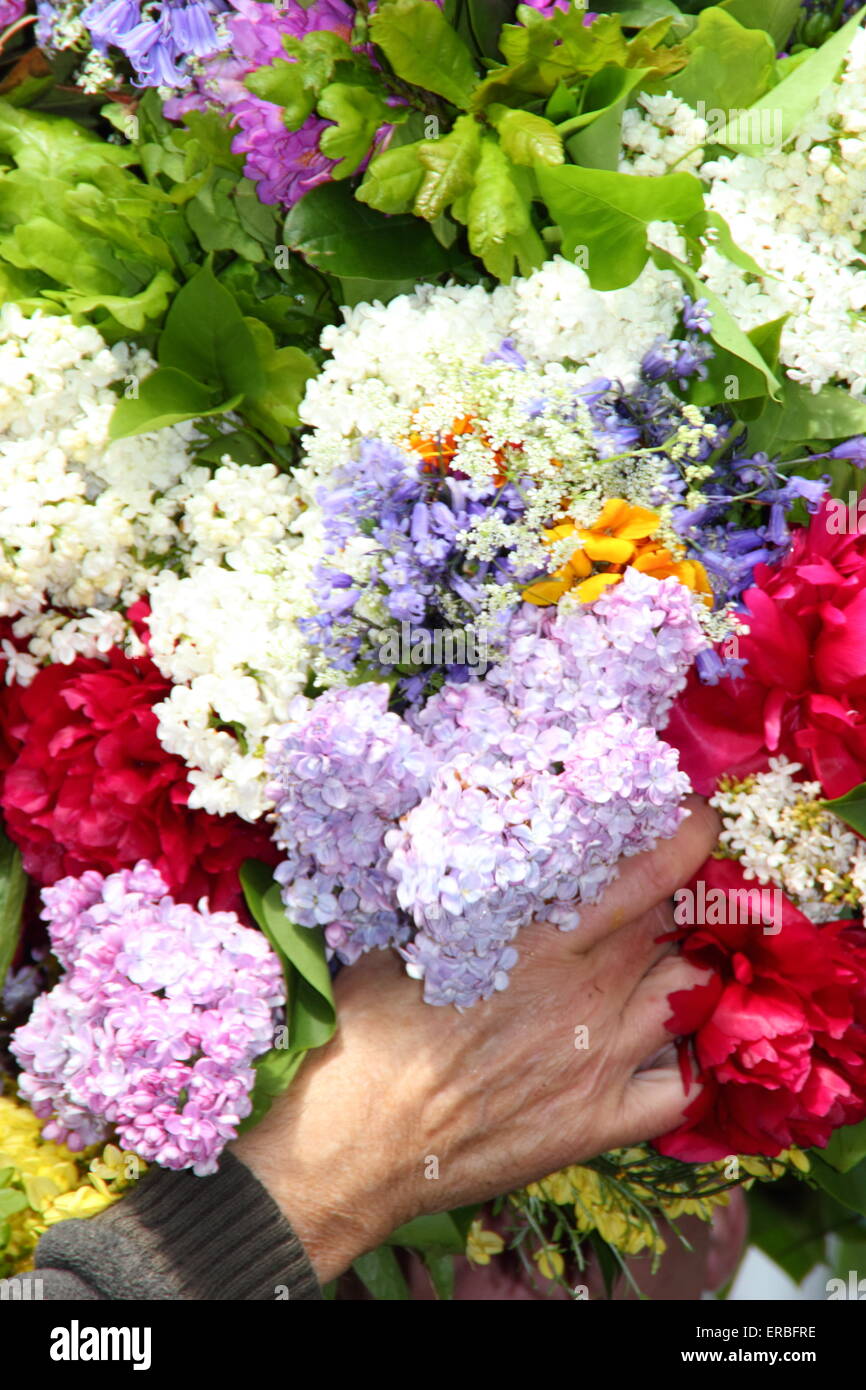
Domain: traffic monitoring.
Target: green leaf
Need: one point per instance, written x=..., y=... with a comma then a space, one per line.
x=450, y=165
x=526, y=138
x=851, y=808
x=205, y=336
x=379, y=1271
x=358, y=114
x=793, y=98
x=717, y=233
x=608, y=214
x=777, y=17
x=791, y=1234
x=295, y=83
x=730, y=66
x=440, y=1233
x=12, y=1201
x=165, y=397
x=392, y=179
x=441, y=1271
x=828, y=414
x=54, y=147
x=336, y=233
x=423, y=49
x=849, y=1188
x=313, y=1012
x=497, y=215
x=847, y=1146
x=310, y=1011
x=273, y=407
x=754, y=375
x=13, y=888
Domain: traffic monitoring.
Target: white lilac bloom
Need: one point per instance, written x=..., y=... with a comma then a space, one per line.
x=414, y=361
x=798, y=209
x=222, y=555
x=782, y=833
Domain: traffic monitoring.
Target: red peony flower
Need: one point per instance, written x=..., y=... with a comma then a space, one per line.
x=803, y=691
x=777, y=1036
x=89, y=786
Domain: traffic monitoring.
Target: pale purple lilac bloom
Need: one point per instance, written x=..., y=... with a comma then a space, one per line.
x=154, y=1027
x=446, y=831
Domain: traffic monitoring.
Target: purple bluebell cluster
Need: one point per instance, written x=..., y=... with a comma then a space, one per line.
x=742, y=519
x=155, y=1024
x=446, y=831
x=158, y=38
x=408, y=523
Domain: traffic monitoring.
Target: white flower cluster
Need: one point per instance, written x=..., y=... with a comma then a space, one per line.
x=387, y=362
x=87, y=527
x=660, y=132
x=798, y=209
x=781, y=833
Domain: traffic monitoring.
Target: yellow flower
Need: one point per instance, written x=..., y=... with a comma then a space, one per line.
x=481, y=1244
x=620, y=536
x=84, y=1201
x=550, y=1263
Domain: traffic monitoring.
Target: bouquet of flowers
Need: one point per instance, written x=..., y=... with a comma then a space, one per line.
x=400, y=628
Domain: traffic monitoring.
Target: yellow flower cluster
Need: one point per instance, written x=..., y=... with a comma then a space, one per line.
x=618, y=1209
x=55, y=1182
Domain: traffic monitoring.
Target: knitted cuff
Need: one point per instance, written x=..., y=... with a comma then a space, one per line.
x=176, y=1236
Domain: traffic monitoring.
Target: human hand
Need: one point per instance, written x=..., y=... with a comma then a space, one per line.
x=412, y=1109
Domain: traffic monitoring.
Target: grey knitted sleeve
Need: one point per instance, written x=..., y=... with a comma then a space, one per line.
x=176, y=1236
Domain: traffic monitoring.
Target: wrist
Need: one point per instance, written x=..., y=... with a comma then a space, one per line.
x=322, y=1155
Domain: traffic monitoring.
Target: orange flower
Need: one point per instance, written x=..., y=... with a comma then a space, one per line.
x=438, y=454
x=620, y=536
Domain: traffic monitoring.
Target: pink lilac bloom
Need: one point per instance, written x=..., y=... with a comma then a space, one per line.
x=285, y=164
x=445, y=832
x=154, y=1027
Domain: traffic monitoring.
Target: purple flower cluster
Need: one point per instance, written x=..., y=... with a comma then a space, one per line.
x=155, y=1025
x=495, y=802
x=159, y=38
x=343, y=771
x=411, y=522
x=285, y=164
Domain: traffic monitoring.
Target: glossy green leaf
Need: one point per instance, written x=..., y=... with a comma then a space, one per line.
x=336, y=233
x=302, y=947
x=851, y=808
x=423, y=49
x=205, y=336
x=165, y=397
x=607, y=214
x=13, y=887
